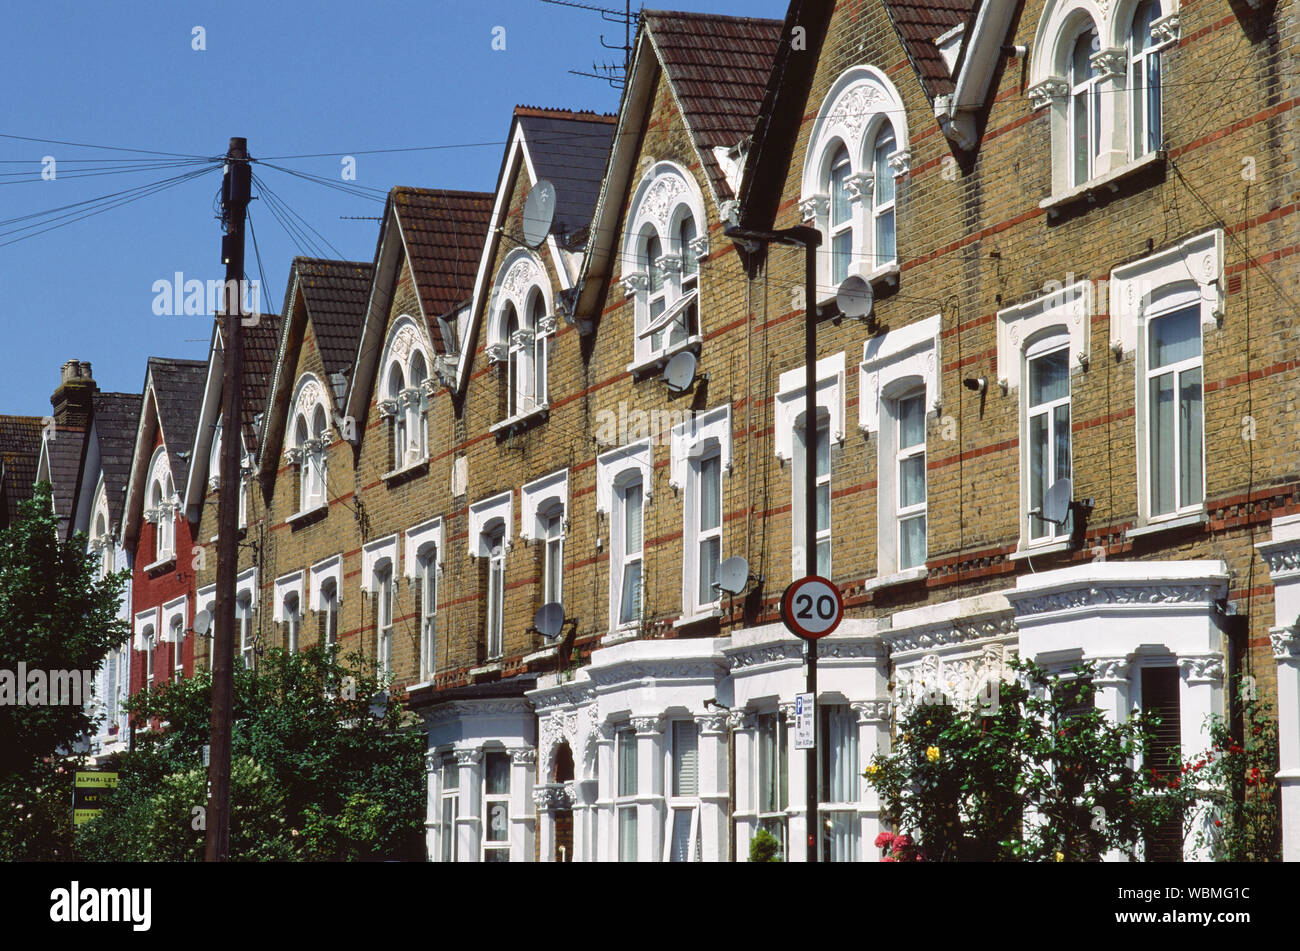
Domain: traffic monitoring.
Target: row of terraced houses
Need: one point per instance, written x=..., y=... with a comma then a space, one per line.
x=1079, y=221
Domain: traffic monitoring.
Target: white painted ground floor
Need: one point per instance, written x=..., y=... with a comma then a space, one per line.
x=680, y=750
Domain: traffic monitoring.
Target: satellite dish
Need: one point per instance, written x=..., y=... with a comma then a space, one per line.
x=539, y=213
x=855, y=297
x=549, y=619
x=1056, y=501
x=733, y=575
x=202, y=621
x=679, y=374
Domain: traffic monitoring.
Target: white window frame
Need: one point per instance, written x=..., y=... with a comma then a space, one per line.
x=1050, y=342
x=163, y=506
x=1085, y=89
x=420, y=541
x=406, y=391
x=621, y=559
x=246, y=605
x=1143, y=62
x=665, y=196
x=449, y=847
x=174, y=624
x=493, y=539
x=700, y=438
x=860, y=103
x=625, y=802
x=895, y=364
x=150, y=645
x=903, y=455
x=288, y=591
x=325, y=576
x=1175, y=304
x=779, y=816
x=309, y=442
x=680, y=802
x=544, y=507
x=616, y=470
x=385, y=610
x=798, y=499
x=1189, y=273
x=850, y=807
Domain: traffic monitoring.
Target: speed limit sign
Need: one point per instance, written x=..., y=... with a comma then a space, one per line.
x=812, y=607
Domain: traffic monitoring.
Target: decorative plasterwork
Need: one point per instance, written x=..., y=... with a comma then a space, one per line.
x=713, y=722
x=665, y=194
x=1206, y=668
x=690, y=439
x=960, y=679
x=813, y=206
x=471, y=709
x=1109, y=63
x=553, y=797
x=309, y=394
x=954, y=633
x=912, y=351
x=523, y=756
x=1167, y=28
x=1043, y=94
x=521, y=275
x=1286, y=644
x=488, y=515
x=851, y=113
x=466, y=757
x=611, y=465
x=1194, y=263
x=1068, y=308
x=765, y=655
x=790, y=402
x=427, y=533
x=1111, y=671
x=290, y=584
x=171, y=611
x=145, y=620
x=374, y=556
x=1096, y=595
x=331, y=569
x=540, y=495
x=871, y=711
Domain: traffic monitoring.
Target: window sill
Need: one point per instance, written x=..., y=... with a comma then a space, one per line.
x=518, y=423
x=906, y=576
x=1033, y=551
x=408, y=471
x=307, y=515
x=1168, y=524
x=493, y=667
x=620, y=635
x=544, y=654
x=659, y=360
x=160, y=564
x=1089, y=190
x=708, y=614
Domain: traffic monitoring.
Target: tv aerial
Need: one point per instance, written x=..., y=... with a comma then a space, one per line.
x=733, y=575
x=679, y=373
x=855, y=298
x=539, y=213
x=549, y=620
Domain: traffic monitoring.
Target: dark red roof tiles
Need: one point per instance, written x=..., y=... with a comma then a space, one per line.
x=444, y=233
x=261, y=346
x=719, y=68
x=919, y=23
x=336, y=294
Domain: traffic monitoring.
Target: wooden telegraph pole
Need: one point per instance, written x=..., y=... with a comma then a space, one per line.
x=235, y=187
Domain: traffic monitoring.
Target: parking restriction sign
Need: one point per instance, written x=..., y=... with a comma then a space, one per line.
x=804, y=722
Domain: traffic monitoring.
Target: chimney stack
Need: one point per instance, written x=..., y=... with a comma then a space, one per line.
x=72, y=400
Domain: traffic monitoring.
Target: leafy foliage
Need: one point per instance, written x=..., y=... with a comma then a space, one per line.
x=55, y=614
x=1044, y=776
x=322, y=778
x=764, y=847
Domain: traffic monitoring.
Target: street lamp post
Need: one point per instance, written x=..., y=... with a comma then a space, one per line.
x=810, y=240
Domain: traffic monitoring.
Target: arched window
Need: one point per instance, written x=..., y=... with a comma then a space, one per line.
x=841, y=223
x=1085, y=106
x=662, y=250
x=856, y=152
x=396, y=386
x=1144, y=82
x=310, y=443
x=518, y=328
x=418, y=408
x=882, y=196
x=162, y=506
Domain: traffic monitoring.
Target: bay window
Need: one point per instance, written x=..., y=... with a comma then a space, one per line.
x=682, y=833
x=773, y=776
x=625, y=803
x=496, y=807
x=450, y=807
x=840, y=779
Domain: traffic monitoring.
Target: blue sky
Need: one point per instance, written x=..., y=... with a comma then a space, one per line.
x=293, y=78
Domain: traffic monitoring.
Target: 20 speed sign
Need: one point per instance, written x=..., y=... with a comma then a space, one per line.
x=811, y=607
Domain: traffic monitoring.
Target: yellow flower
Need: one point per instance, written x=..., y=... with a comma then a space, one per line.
x=927, y=722
x=1060, y=856
x=873, y=769
x=907, y=737
x=932, y=754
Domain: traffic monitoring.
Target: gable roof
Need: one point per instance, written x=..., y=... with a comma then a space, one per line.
x=173, y=391
x=115, y=415
x=918, y=24
x=717, y=68
x=333, y=296
x=20, y=447
x=570, y=149
x=62, y=453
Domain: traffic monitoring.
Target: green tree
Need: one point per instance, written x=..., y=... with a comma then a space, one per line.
x=325, y=777
x=55, y=614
